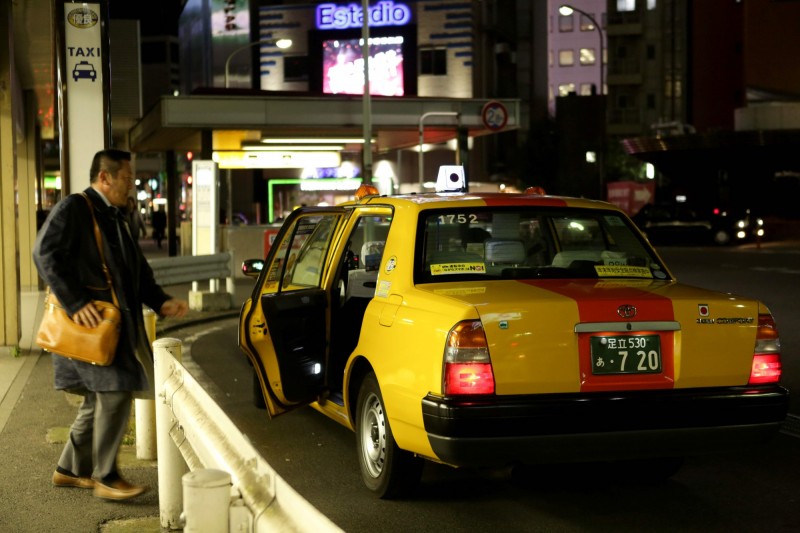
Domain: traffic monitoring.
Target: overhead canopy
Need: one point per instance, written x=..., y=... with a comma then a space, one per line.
x=768, y=149
x=176, y=122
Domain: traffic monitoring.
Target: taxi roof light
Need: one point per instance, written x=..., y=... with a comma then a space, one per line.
x=536, y=190
x=451, y=178
x=366, y=190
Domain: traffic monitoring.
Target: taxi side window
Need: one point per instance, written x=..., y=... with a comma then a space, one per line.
x=364, y=255
x=300, y=258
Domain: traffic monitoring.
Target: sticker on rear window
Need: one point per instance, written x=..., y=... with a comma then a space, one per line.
x=464, y=291
x=458, y=268
x=614, y=221
x=622, y=271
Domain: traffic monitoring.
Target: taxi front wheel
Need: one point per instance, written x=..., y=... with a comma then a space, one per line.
x=387, y=470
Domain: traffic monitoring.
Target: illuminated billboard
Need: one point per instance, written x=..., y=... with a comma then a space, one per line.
x=336, y=65
x=343, y=66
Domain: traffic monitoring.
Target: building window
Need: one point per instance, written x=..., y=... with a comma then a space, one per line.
x=626, y=5
x=295, y=68
x=586, y=89
x=651, y=51
x=623, y=102
x=672, y=88
x=651, y=101
x=565, y=88
x=433, y=61
x=550, y=58
x=587, y=56
x=565, y=23
x=154, y=52
x=651, y=5
x=622, y=52
x=586, y=23
x=566, y=58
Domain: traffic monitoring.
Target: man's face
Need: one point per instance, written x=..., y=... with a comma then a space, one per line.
x=116, y=187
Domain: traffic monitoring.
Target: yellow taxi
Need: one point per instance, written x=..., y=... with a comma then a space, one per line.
x=502, y=329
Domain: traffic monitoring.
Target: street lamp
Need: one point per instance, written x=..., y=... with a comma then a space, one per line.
x=566, y=10
x=280, y=43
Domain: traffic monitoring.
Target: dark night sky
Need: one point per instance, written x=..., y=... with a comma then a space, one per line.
x=156, y=17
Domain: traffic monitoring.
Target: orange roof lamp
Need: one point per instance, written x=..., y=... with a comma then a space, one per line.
x=536, y=190
x=366, y=190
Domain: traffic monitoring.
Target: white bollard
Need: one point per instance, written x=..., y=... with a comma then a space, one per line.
x=171, y=466
x=206, y=501
x=145, y=410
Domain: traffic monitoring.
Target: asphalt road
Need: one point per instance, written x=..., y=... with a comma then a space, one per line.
x=758, y=491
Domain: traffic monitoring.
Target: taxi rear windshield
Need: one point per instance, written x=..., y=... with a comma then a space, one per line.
x=530, y=243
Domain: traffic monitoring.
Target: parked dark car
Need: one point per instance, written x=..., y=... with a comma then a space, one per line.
x=681, y=223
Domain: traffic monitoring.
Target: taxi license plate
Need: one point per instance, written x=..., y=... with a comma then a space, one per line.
x=626, y=354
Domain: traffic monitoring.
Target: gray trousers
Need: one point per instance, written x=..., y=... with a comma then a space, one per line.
x=96, y=434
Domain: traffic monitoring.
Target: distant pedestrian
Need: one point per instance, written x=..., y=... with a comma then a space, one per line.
x=159, y=222
x=70, y=263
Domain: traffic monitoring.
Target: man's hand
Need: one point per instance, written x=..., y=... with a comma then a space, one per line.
x=174, y=308
x=87, y=316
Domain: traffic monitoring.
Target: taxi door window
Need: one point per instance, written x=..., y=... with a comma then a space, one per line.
x=300, y=258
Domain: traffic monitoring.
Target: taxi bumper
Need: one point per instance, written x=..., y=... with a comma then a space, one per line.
x=500, y=431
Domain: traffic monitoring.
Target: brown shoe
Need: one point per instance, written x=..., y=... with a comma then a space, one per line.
x=64, y=480
x=117, y=490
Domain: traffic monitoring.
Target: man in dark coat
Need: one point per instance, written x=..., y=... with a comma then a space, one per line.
x=68, y=260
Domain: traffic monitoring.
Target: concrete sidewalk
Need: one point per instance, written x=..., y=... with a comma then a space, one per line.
x=34, y=423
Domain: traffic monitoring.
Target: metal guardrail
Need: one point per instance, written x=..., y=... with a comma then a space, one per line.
x=193, y=430
x=791, y=426
x=188, y=268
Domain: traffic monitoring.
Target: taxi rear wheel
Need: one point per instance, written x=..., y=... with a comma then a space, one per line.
x=387, y=470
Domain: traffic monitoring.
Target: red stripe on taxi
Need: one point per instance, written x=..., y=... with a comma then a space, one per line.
x=505, y=200
x=599, y=303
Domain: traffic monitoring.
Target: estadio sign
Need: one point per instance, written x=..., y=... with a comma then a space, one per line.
x=340, y=17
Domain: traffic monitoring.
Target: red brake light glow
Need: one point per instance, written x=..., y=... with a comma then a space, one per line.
x=467, y=366
x=767, y=368
x=464, y=378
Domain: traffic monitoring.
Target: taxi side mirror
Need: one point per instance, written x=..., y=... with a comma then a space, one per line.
x=252, y=267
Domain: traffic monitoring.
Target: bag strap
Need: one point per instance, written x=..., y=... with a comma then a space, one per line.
x=99, y=239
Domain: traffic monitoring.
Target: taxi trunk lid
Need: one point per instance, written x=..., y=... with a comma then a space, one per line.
x=566, y=336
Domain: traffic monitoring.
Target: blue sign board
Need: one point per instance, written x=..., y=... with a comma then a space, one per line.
x=340, y=16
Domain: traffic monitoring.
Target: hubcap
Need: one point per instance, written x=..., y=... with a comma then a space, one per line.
x=373, y=435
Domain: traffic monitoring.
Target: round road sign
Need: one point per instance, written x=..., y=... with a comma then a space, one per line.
x=494, y=115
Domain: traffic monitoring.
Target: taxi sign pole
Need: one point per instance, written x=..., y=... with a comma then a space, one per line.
x=205, y=202
x=422, y=118
x=83, y=70
x=366, y=97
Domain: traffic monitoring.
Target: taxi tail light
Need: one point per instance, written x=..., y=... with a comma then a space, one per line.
x=467, y=366
x=766, y=367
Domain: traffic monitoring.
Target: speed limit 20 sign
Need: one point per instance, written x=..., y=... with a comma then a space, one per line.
x=494, y=115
